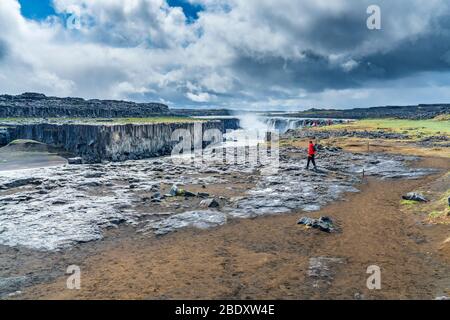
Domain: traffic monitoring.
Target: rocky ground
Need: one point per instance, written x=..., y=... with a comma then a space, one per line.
x=63, y=215
x=441, y=141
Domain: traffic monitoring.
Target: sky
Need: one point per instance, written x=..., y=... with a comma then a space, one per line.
x=238, y=54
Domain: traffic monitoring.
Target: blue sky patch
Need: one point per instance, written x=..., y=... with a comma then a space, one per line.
x=190, y=11
x=41, y=9
x=36, y=9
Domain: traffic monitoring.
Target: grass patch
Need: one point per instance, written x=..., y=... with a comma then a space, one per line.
x=408, y=202
x=104, y=120
x=149, y=120
x=441, y=210
x=414, y=128
x=436, y=214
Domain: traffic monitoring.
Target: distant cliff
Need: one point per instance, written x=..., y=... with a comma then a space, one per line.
x=37, y=105
x=417, y=112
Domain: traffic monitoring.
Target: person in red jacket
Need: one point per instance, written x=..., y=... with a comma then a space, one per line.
x=311, y=155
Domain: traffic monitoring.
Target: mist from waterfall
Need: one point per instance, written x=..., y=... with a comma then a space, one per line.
x=259, y=123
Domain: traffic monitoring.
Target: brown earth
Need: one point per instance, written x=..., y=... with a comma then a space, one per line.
x=268, y=258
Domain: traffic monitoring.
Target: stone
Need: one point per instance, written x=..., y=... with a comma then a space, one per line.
x=174, y=191
x=76, y=160
x=413, y=196
x=209, y=203
x=323, y=223
x=189, y=194
x=203, y=195
x=20, y=183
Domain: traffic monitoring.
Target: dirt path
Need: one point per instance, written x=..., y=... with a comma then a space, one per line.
x=269, y=257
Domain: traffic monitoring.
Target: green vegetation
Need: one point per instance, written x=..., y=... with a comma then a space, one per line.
x=144, y=120
x=440, y=207
x=414, y=128
x=436, y=214
x=103, y=121
x=408, y=202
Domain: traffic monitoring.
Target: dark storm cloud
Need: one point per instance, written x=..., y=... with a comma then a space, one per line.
x=429, y=53
x=313, y=72
x=426, y=52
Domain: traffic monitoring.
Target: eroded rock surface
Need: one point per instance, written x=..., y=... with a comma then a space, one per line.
x=56, y=207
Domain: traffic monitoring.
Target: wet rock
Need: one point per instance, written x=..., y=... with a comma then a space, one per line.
x=59, y=202
x=12, y=284
x=174, y=191
x=209, y=203
x=156, y=195
x=94, y=175
x=76, y=160
x=203, y=195
x=20, y=183
x=189, y=194
x=197, y=219
x=91, y=184
x=323, y=223
x=413, y=196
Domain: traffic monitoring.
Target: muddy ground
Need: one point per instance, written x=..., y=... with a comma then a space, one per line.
x=271, y=257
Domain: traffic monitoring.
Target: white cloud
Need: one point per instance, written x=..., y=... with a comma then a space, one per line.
x=239, y=53
x=199, y=97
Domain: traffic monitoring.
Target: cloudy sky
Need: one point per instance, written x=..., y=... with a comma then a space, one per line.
x=241, y=54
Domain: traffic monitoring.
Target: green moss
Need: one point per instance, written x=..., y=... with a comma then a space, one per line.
x=408, y=202
x=415, y=128
x=436, y=214
x=105, y=121
x=150, y=120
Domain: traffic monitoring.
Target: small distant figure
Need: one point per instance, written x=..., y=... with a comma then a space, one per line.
x=312, y=150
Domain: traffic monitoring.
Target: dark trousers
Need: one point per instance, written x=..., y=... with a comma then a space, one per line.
x=311, y=159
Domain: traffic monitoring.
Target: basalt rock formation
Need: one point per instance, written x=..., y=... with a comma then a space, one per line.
x=108, y=142
x=413, y=112
x=36, y=105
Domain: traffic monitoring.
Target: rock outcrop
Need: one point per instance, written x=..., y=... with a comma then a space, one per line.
x=108, y=142
x=40, y=106
x=414, y=112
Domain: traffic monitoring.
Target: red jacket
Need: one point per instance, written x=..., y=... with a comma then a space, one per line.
x=311, y=149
